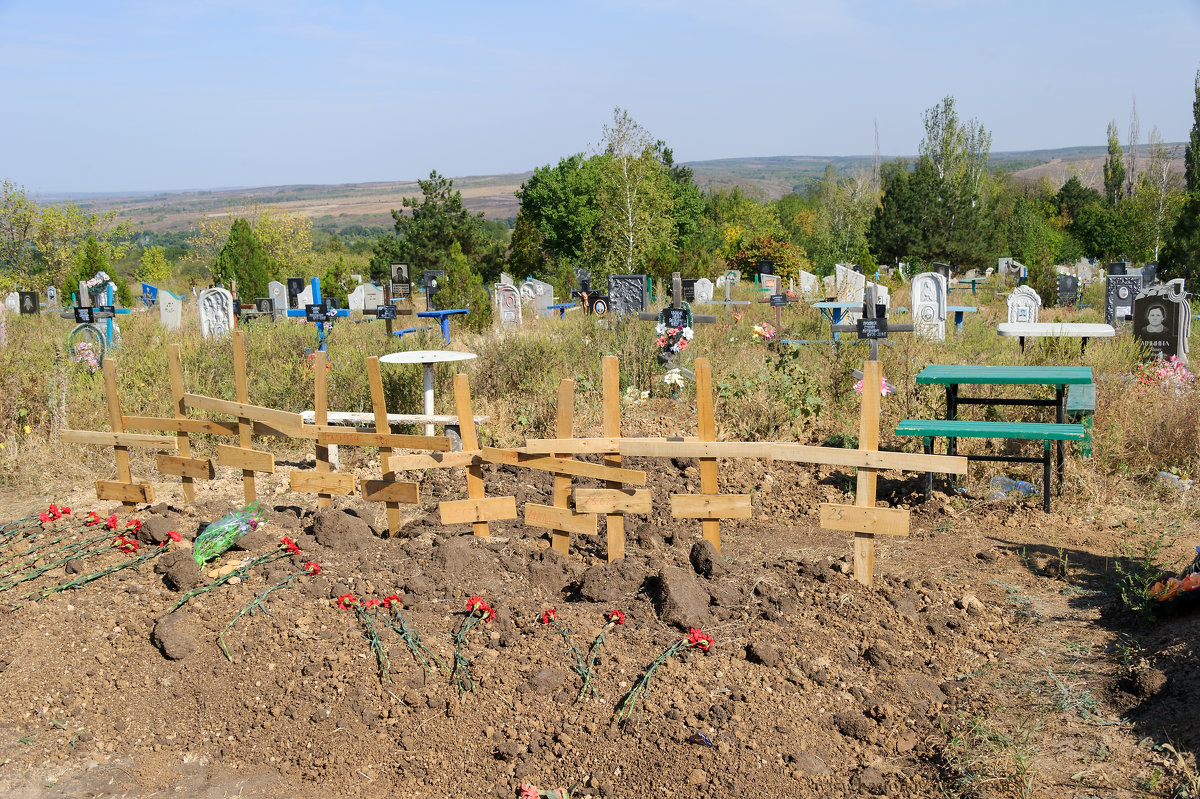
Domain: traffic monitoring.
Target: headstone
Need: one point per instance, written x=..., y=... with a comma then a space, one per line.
x=538, y=293
x=1068, y=291
x=279, y=295
x=1149, y=274
x=830, y=283
x=508, y=304
x=704, y=290
x=295, y=285
x=356, y=298
x=583, y=279
x=1084, y=270
x=1162, y=320
x=766, y=266
x=771, y=284
x=52, y=296
x=732, y=277
x=12, y=303
x=627, y=294
x=506, y=279
x=850, y=286
x=689, y=289
x=432, y=278
x=372, y=296
x=265, y=306
x=1117, y=268
x=170, y=310
x=357, y=279
x=216, y=312
x=401, y=281
x=1023, y=305
x=305, y=297
x=29, y=302
x=929, y=305
x=810, y=284
x=942, y=269
x=1119, y=293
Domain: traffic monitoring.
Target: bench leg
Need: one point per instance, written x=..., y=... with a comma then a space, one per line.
x=928, y=475
x=1061, y=397
x=1046, y=473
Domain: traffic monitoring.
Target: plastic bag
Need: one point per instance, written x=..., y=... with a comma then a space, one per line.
x=219, y=536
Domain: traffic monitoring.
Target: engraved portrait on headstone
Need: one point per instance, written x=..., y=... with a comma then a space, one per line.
x=29, y=302
x=1023, y=305
x=929, y=305
x=1119, y=293
x=1162, y=320
x=216, y=312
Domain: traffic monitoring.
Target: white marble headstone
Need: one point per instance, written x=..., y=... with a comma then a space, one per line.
x=170, y=310
x=305, y=297
x=356, y=298
x=508, y=304
x=704, y=290
x=12, y=303
x=540, y=293
x=506, y=279
x=216, y=312
x=278, y=293
x=929, y=305
x=830, y=284
x=850, y=286
x=51, y=296
x=372, y=296
x=1023, y=305
x=810, y=284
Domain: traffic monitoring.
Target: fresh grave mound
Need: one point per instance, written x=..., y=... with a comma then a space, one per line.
x=813, y=682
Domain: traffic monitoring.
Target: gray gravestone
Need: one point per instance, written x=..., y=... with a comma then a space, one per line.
x=508, y=304
x=355, y=299
x=1118, y=268
x=12, y=303
x=506, y=279
x=704, y=290
x=216, y=312
x=278, y=294
x=929, y=305
x=305, y=297
x=432, y=278
x=372, y=296
x=29, y=302
x=170, y=310
x=1068, y=291
x=540, y=294
x=1162, y=320
x=52, y=296
x=1023, y=305
x=1119, y=293
x=810, y=284
x=627, y=294
x=1149, y=274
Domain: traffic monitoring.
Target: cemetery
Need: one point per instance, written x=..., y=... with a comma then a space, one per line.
x=402, y=551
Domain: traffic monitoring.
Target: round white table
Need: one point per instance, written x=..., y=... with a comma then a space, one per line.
x=427, y=359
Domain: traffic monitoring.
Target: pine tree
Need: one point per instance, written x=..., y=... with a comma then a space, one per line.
x=244, y=260
x=1181, y=255
x=463, y=288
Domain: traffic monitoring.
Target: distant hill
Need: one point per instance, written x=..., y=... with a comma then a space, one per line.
x=370, y=204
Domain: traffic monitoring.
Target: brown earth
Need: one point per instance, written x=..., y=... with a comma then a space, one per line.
x=990, y=658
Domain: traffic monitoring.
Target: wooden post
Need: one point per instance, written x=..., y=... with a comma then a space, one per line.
x=320, y=383
x=387, y=300
x=118, y=426
x=561, y=539
x=610, y=377
x=470, y=441
x=379, y=406
x=185, y=446
x=707, y=431
x=245, y=426
x=864, y=497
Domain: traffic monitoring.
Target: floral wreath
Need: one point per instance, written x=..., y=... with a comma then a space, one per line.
x=674, y=339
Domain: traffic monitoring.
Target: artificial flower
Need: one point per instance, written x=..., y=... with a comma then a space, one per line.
x=312, y=567
x=347, y=601
x=290, y=545
x=615, y=617
x=548, y=616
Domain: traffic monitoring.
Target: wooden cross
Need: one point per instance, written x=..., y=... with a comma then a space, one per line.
x=672, y=359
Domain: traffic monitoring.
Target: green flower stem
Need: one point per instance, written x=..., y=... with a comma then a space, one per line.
x=73, y=546
x=39, y=571
x=410, y=637
x=241, y=571
x=371, y=633
x=461, y=675
x=254, y=606
x=642, y=687
x=83, y=580
x=590, y=670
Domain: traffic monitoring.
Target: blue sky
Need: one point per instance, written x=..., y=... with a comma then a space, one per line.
x=133, y=96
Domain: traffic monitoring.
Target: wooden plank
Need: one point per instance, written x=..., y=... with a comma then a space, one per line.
x=612, y=501
x=392, y=492
x=184, y=446
x=710, y=506
x=560, y=537
x=573, y=446
x=351, y=438
x=441, y=460
x=189, y=468
x=128, y=493
x=549, y=463
x=610, y=423
x=124, y=475
x=800, y=453
x=864, y=495
x=181, y=426
x=706, y=428
x=106, y=439
x=560, y=520
x=246, y=459
x=470, y=441
x=379, y=408
x=322, y=483
x=478, y=511
x=281, y=420
x=854, y=519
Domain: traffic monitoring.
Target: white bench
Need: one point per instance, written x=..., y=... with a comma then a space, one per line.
x=1079, y=330
x=359, y=419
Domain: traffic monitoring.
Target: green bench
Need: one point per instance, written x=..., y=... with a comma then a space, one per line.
x=929, y=429
x=1081, y=405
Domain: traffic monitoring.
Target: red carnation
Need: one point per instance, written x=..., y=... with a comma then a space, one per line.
x=44, y=517
x=488, y=612
x=371, y=603
x=135, y=524
x=549, y=616
x=64, y=510
x=91, y=519
x=126, y=545
x=696, y=638
x=615, y=617
x=392, y=599
x=312, y=567
x=347, y=601
x=473, y=603
x=174, y=536
x=112, y=522
x=54, y=512
x=290, y=545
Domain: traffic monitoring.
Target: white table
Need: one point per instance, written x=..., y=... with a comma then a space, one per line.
x=427, y=359
x=1080, y=330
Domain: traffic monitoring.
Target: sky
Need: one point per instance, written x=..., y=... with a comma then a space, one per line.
x=158, y=95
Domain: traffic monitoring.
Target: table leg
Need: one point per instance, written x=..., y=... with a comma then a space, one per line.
x=1022, y=340
x=427, y=379
x=1046, y=475
x=1082, y=346
x=1060, y=394
x=837, y=320
x=951, y=414
x=958, y=320
x=928, y=475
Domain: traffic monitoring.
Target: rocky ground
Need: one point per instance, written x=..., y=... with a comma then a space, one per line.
x=990, y=659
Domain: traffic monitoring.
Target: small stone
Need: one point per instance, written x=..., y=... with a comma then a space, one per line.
x=971, y=604
x=763, y=654
x=175, y=636
x=697, y=777
x=706, y=560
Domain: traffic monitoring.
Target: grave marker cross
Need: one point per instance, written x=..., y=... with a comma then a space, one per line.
x=675, y=309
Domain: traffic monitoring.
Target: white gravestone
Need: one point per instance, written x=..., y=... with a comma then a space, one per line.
x=540, y=293
x=305, y=297
x=12, y=303
x=732, y=277
x=356, y=298
x=929, y=305
x=372, y=296
x=704, y=290
x=850, y=287
x=830, y=284
x=1023, y=305
x=216, y=312
x=506, y=279
x=772, y=284
x=170, y=310
x=278, y=294
x=52, y=296
x=810, y=284
x=508, y=304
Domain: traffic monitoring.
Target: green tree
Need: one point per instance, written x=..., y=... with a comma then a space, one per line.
x=435, y=222
x=386, y=250
x=18, y=228
x=1181, y=255
x=527, y=256
x=91, y=258
x=153, y=267
x=244, y=260
x=1114, y=166
x=955, y=200
x=337, y=281
x=463, y=288
x=560, y=203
